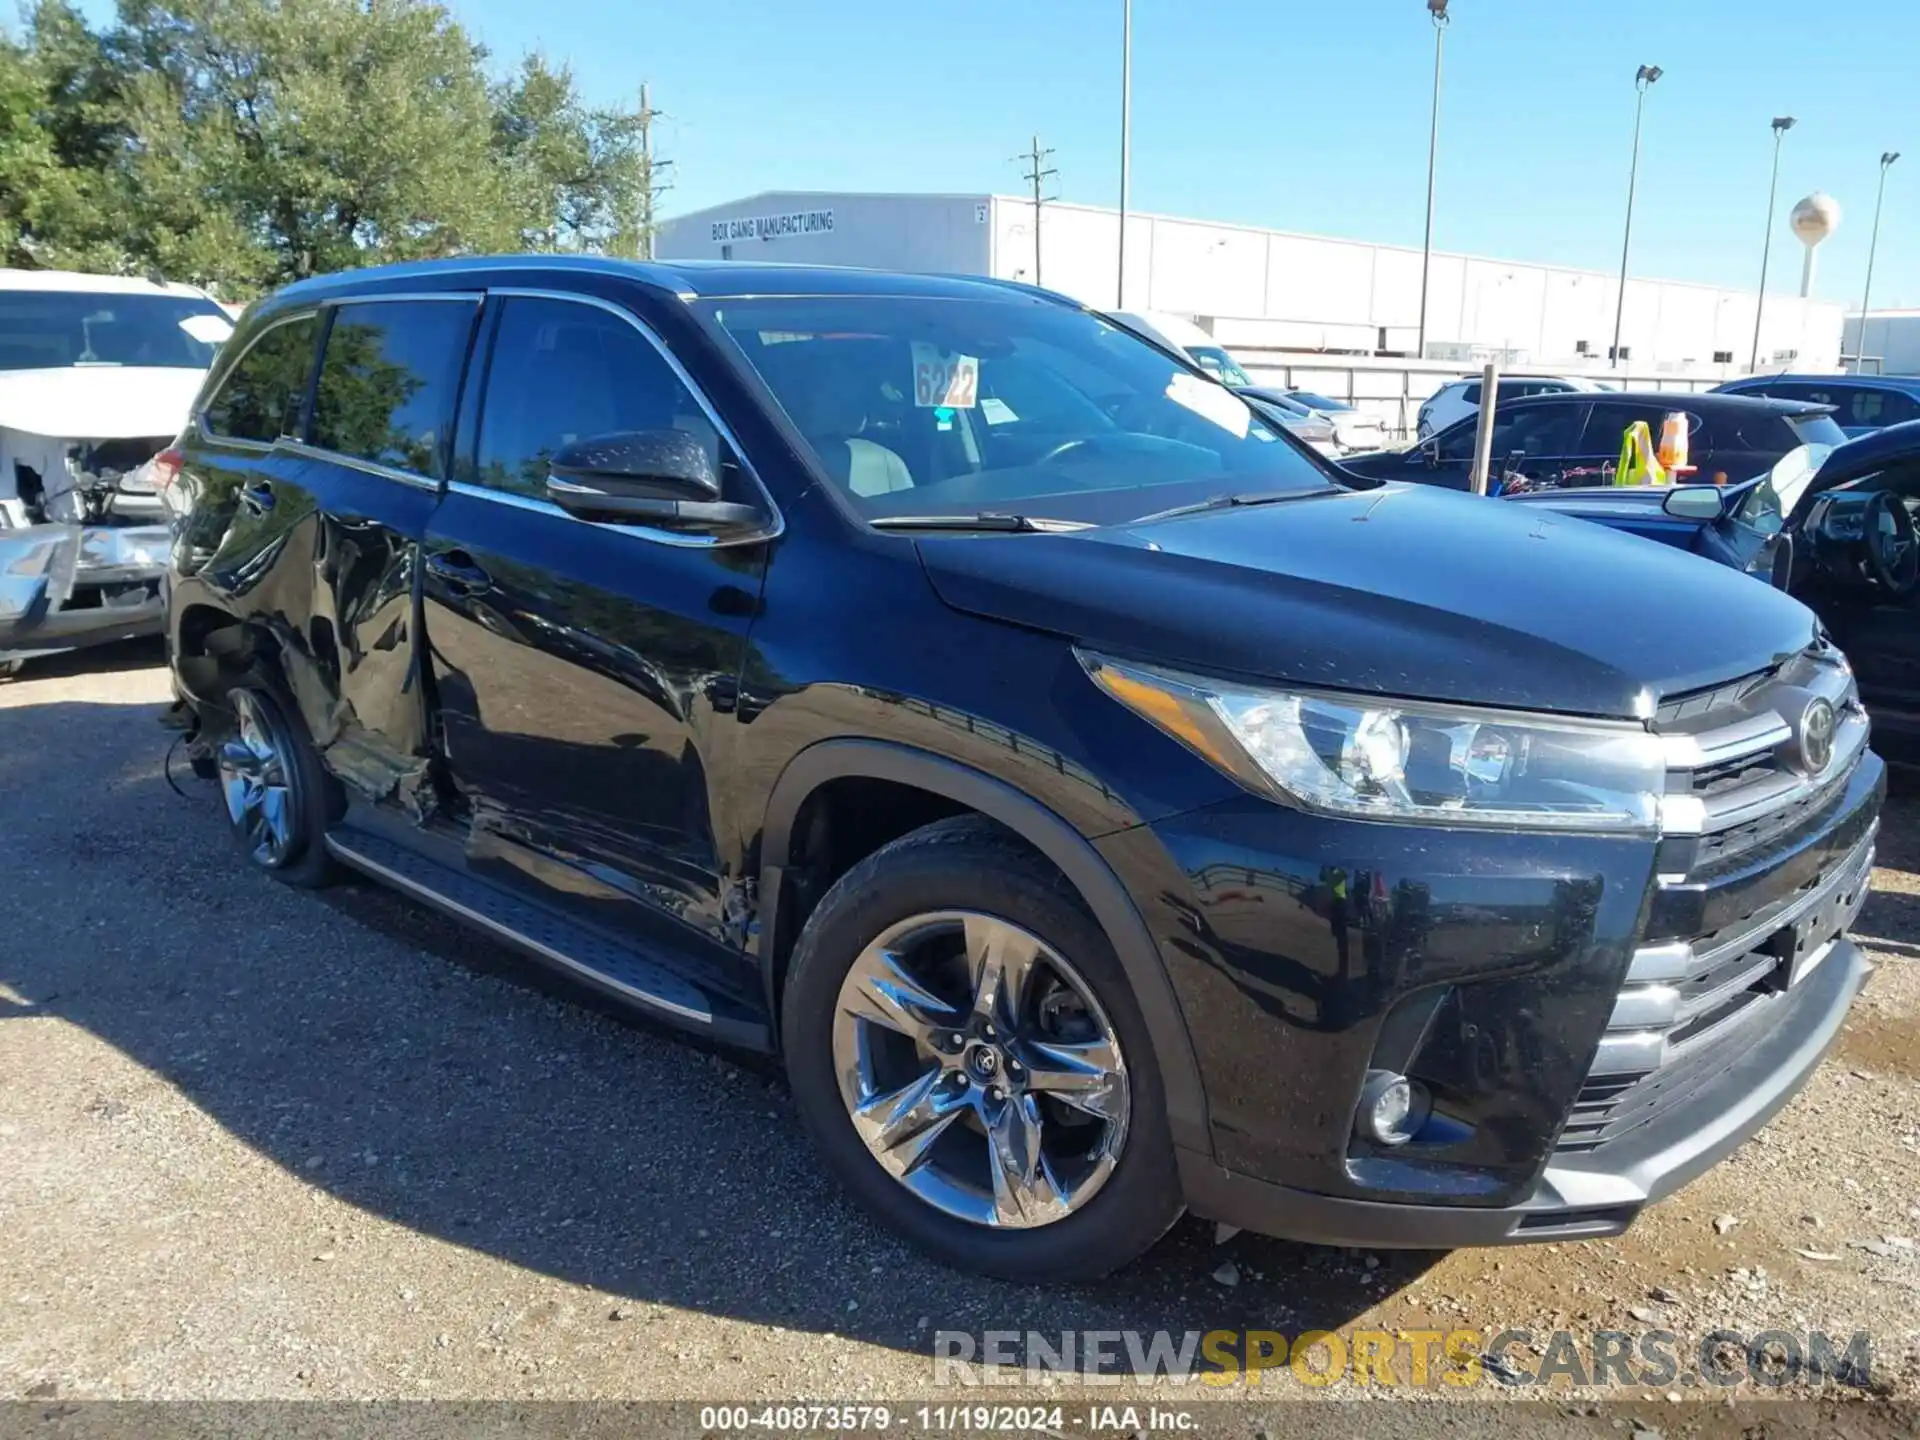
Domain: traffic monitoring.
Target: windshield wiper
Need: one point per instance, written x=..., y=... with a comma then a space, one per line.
x=1228, y=502
x=981, y=520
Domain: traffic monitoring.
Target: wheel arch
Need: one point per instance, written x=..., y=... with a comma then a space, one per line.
x=826, y=761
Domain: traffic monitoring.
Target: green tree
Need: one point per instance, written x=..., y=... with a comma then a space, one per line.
x=245, y=143
x=61, y=131
x=573, y=172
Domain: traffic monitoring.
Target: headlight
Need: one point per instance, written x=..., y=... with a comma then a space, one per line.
x=1405, y=760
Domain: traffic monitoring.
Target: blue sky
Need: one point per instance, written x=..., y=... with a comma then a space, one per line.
x=1302, y=114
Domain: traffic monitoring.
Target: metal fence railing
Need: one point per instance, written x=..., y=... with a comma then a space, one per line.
x=1394, y=390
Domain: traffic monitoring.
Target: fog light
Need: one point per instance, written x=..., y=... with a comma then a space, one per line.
x=1392, y=1108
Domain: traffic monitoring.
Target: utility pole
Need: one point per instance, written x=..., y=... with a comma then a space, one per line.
x=1126, y=141
x=1642, y=82
x=1038, y=172
x=1781, y=124
x=1437, y=12
x=1866, y=292
x=651, y=186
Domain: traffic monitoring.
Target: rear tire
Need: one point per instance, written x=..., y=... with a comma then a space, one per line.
x=1035, y=1148
x=279, y=799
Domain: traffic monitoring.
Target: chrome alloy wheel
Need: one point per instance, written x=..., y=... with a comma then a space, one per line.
x=979, y=1070
x=260, y=784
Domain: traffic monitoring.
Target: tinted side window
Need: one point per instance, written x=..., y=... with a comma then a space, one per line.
x=1862, y=406
x=1457, y=440
x=1471, y=395
x=1607, y=426
x=1537, y=430
x=563, y=372
x=388, y=381
x=259, y=398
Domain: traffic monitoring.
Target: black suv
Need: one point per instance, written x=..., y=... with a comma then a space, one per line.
x=1574, y=439
x=1100, y=809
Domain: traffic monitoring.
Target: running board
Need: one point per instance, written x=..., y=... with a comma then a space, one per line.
x=607, y=963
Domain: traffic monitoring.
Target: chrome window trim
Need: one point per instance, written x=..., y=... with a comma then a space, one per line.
x=354, y=462
x=199, y=417
x=776, y=525
x=470, y=297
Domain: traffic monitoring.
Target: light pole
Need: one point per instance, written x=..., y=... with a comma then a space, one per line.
x=1642, y=82
x=1866, y=291
x=1781, y=124
x=1437, y=10
x=1126, y=137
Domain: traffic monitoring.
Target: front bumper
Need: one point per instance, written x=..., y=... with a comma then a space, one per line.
x=1578, y=1196
x=63, y=587
x=1598, y=1019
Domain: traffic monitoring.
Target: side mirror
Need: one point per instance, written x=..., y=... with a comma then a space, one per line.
x=1695, y=502
x=642, y=477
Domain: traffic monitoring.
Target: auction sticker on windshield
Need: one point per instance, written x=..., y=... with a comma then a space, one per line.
x=940, y=379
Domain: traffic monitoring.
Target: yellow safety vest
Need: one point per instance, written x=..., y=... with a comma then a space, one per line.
x=1639, y=465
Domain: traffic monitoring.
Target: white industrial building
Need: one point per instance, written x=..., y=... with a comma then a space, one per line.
x=1274, y=292
x=1883, y=342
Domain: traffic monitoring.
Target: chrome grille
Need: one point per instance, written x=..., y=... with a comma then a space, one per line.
x=1737, y=782
x=1737, y=761
x=1688, y=1005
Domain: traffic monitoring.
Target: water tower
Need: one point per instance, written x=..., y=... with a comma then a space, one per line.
x=1813, y=220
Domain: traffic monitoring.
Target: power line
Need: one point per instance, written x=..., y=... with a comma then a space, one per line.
x=1037, y=174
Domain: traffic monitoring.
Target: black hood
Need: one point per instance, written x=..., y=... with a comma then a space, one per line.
x=1405, y=591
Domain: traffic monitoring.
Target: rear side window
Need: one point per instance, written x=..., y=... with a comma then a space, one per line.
x=1864, y=408
x=388, y=381
x=563, y=372
x=260, y=398
x=1858, y=406
x=1471, y=395
x=1609, y=421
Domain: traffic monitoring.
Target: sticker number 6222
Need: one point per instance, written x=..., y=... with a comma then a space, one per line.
x=951, y=382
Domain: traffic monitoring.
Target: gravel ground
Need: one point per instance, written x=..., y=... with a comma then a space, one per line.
x=260, y=1144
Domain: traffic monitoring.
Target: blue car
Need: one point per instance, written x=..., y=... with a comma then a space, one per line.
x=1861, y=403
x=1834, y=525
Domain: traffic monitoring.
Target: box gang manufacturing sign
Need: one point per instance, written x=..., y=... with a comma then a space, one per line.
x=772, y=227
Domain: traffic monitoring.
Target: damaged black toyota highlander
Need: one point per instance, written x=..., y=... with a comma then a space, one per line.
x=1100, y=810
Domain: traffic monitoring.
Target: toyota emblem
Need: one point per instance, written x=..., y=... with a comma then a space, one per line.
x=1816, y=736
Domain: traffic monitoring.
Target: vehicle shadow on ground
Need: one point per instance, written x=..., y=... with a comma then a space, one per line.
x=374, y=1050
x=117, y=658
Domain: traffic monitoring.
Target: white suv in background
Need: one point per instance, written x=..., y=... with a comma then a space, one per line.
x=97, y=374
x=1459, y=398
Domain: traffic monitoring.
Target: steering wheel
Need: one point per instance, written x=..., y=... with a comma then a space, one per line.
x=1891, y=547
x=1066, y=448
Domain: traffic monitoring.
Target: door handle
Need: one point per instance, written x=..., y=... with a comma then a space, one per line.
x=257, y=498
x=456, y=570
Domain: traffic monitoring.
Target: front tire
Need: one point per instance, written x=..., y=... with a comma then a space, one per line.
x=970, y=1061
x=277, y=796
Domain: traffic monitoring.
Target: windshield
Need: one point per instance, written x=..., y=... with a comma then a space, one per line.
x=1219, y=364
x=934, y=406
x=1319, y=402
x=59, y=329
x=1771, y=500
